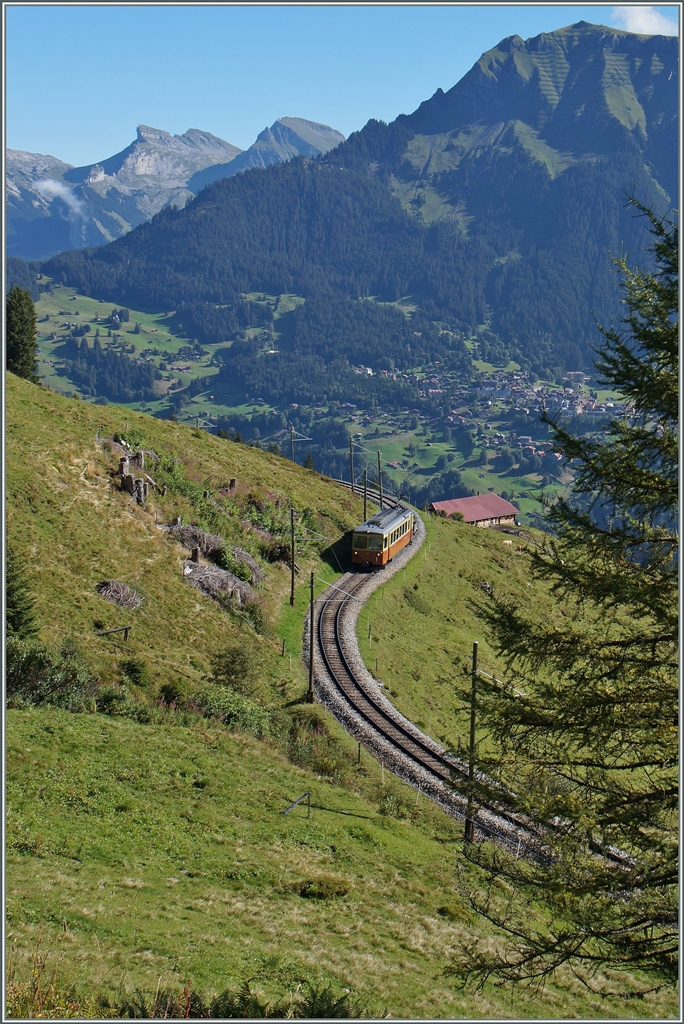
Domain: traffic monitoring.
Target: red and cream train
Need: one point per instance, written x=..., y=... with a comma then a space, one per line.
x=381, y=537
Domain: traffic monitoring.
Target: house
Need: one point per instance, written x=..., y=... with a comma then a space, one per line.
x=482, y=510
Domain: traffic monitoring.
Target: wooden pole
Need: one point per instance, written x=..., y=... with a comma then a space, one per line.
x=351, y=466
x=365, y=494
x=291, y=443
x=380, y=480
x=292, y=557
x=469, y=826
x=310, y=694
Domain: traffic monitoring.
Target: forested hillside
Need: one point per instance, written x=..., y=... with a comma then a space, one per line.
x=496, y=203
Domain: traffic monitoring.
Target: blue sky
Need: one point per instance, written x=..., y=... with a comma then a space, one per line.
x=81, y=77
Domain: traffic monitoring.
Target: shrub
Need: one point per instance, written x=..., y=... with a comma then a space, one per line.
x=311, y=746
x=133, y=437
x=19, y=602
x=136, y=671
x=393, y=806
x=174, y=692
x=225, y=559
x=307, y=1002
x=235, y=667
x=255, y=614
x=325, y=888
x=232, y=709
x=116, y=700
x=40, y=674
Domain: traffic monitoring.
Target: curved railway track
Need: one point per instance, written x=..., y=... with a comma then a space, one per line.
x=399, y=744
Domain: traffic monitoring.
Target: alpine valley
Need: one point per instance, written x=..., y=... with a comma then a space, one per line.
x=385, y=280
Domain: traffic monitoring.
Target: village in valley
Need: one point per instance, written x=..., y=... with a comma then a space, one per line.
x=457, y=436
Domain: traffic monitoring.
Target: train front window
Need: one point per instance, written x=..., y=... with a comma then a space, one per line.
x=360, y=541
x=375, y=542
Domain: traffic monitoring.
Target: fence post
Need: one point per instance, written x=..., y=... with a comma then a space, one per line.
x=292, y=556
x=310, y=693
x=351, y=466
x=380, y=480
x=469, y=825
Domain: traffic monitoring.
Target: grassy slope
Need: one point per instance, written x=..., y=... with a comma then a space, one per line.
x=140, y=851
x=143, y=852
x=423, y=656
x=64, y=510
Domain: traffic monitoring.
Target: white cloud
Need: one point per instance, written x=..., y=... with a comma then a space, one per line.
x=50, y=187
x=645, y=21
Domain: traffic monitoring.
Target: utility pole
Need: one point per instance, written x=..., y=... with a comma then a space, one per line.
x=291, y=443
x=351, y=465
x=469, y=825
x=380, y=480
x=365, y=494
x=292, y=557
x=310, y=694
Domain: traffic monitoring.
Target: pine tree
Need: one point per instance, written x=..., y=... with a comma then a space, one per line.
x=588, y=741
x=21, y=334
x=19, y=603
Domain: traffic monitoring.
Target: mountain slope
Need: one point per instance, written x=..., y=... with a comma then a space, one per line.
x=286, y=138
x=497, y=203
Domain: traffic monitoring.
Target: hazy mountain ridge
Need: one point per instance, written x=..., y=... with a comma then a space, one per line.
x=286, y=138
x=52, y=206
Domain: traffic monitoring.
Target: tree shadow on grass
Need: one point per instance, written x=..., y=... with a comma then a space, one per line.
x=339, y=554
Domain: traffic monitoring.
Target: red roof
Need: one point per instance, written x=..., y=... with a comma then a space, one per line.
x=484, y=506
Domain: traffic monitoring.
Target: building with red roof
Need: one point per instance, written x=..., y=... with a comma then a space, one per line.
x=482, y=510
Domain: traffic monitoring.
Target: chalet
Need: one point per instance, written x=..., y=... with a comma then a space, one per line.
x=482, y=510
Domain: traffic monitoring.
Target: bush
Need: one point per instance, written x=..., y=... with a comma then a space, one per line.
x=232, y=709
x=133, y=437
x=174, y=692
x=116, y=700
x=235, y=667
x=225, y=559
x=40, y=674
x=392, y=805
x=136, y=671
x=255, y=614
x=307, y=1002
x=311, y=746
x=20, y=616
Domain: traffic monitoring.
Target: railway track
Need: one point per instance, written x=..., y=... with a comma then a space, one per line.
x=418, y=759
x=389, y=500
x=367, y=714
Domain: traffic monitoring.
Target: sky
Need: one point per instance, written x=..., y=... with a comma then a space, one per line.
x=81, y=77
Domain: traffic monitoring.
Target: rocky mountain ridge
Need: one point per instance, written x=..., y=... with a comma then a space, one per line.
x=53, y=206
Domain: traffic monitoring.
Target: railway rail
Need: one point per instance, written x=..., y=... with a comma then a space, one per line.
x=417, y=758
x=345, y=686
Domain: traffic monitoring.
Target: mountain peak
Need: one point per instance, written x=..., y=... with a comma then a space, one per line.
x=286, y=138
x=146, y=134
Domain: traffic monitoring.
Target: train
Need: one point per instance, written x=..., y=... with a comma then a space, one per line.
x=381, y=537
